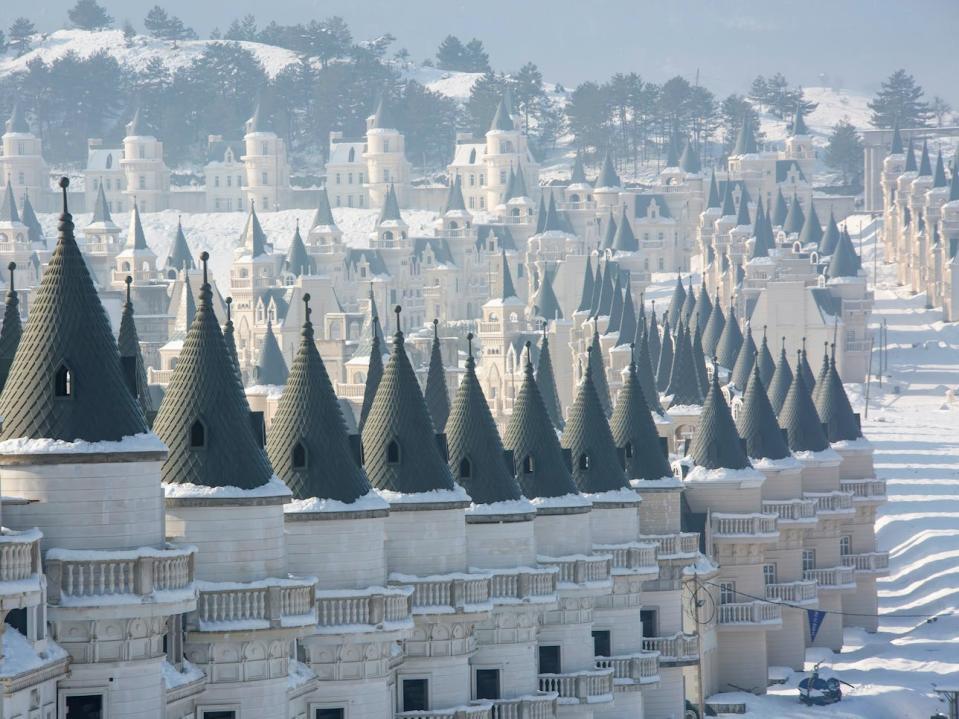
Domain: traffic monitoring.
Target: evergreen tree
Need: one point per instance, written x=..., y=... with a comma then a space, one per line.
x=129, y=33
x=550, y=125
x=899, y=103
x=759, y=91
x=475, y=57
x=451, y=54
x=3, y=42
x=89, y=15
x=428, y=120
x=164, y=26
x=587, y=113
x=939, y=109
x=20, y=33
x=243, y=29
x=703, y=115
x=528, y=92
x=732, y=111
x=481, y=105
x=845, y=151
x=328, y=39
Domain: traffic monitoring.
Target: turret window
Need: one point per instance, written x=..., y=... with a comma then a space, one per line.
x=466, y=468
x=352, y=155
x=63, y=382
x=198, y=435
x=584, y=461
x=628, y=450
x=528, y=464
x=393, y=452
x=299, y=456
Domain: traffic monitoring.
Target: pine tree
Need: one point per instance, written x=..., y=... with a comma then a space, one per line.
x=20, y=33
x=129, y=32
x=475, y=57
x=940, y=109
x=845, y=151
x=527, y=87
x=759, y=91
x=899, y=103
x=328, y=39
x=166, y=27
x=451, y=55
x=588, y=115
x=428, y=120
x=243, y=29
x=481, y=105
x=89, y=15
x=732, y=110
x=3, y=42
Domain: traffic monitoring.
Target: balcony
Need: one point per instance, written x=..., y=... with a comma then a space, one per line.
x=831, y=503
x=591, y=687
x=367, y=610
x=110, y=579
x=533, y=706
x=631, y=558
x=352, y=392
x=632, y=669
x=447, y=593
x=19, y=568
x=526, y=585
x=744, y=527
x=792, y=511
x=159, y=376
x=585, y=205
x=876, y=563
x=580, y=571
x=832, y=578
x=749, y=614
x=479, y=710
x=793, y=592
x=679, y=649
x=266, y=604
x=865, y=491
x=681, y=545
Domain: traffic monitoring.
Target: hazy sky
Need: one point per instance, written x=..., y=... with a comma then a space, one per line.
x=853, y=42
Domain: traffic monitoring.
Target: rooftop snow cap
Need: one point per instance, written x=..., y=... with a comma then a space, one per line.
x=270, y=366
x=399, y=442
x=596, y=466
x=476, y=454
x=437, y=397
x=717, y=444
x=781, y=381
x=833, y=408
x=66, y=380
x=757, y=423
x=128, y=342
x=180, y=257
x=204, y=418
x=607, y=176
x=530, y=435
x=634, y=431
x=307, y=442
x=546, y=382
x=12, y=329
x=798, y=417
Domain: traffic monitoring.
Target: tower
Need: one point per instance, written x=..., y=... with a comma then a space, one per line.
x=147, y=179
x=385, y=157
x=265, y=162
x=21, y=163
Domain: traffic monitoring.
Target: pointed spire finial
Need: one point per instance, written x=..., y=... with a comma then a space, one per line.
x=229, y=303
x=306, y=303
x=398, y=309
x=64, y=184
x=436, y=323
x=12, y=266
x=469, y=344
x=127, y=279
x=529, y=356
x=204, y=258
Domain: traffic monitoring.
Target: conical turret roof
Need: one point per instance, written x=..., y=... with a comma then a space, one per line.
x=507, y=289
x=717, y=444
x=391, y=208
x=66, y=380
x=833, y=408
x=399, y=441
x=298, y=260
x=665, y=365
x=530, y=435
x=436, y=395
x=655, y=339
x=811, y=233
x=476, y=453
x=519, y=184
x=746, y=140
x=939, y=176
x=714, y=329
x=610, y=270
x=683, y=381
x=744, y=360
x=540, y=214
x=554, y=221
x=545, y=304
x=128, y=342
x=795, y=218
x=12, y=328
x=830, y=238
x=644, y=372
x=763, y=233
x=729, y=204
x=101, y=209
x=798, y=124
x=634, y=431
x=844, y=261
x=910, y=157
x=808, y=377
x=597, y=288
x=676, y=301
x=954, y=183
x=609, y=236
x=17, y=121
x=501, y=119
x=625, y=240
x=764, y=359
x=798, y=417
x=323, y=217
x=699, y=361
x=260, y=121
x=578, y=176
x=896, y=148
x=742, y=213
x=546, y=381
x=821, y=377
x=730, y=342
x=253, y=239
x=757, y=423
x=713, y=199
x=229, y=339
x=597, y=367
x=136, y=239
x=702, y=311
x=180, y=257
x=204, y=418
x=586, y=299
x=616, y=308
x=8, y=208
x=270, y=366
x=607, y=176
x=454, y=198
x=382, y=117
x=374, y=372
x=690, y=162
x=307, y=442
x=781, y=210
x=29, y=218
x=779, y=385
x=672, y=150
x=596, y=466
x=925, y=166
x=627, y=324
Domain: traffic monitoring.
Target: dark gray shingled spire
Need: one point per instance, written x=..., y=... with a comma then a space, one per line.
x=821, y=377
x=399, y=441
x=554, y=220
x=228, y=337
x=587, y=437
x=253, y=237
x=757, y=423
x=925, y=166
x=596, y=365
x=260, y=121
x=896, y=148
x=676, y=301
x=714, y=328
x=609, y=236
x=507, y=289
x=180, y=257
x=545, y=304
x=101, y=210
x=765, y=361
x=586, y=298
x=578, y=177
x=798, y=126
x=8, y=208
x=298, y=261
x=742, y=213
x=672, y=151
x=830, y=238
x=501, y=119
x=128, y=342
x=66, y=380
x=204, y=419
x=29, y=218
x=540, y=214
x=713, y=199
x=699, y=360
x=382, y=117
x=833, y=408
x=717, y=444
x=270, y=366
x=844, y=261
x=546, y=381
x=746, y=140
x=683, y=380
x=780, y=211
x=323, y=217
x=374, y=371
x=689, y=304
x=136, y=126
x=655, y=339
x=454, y=198
x=690, y=161
x=17, y=121
x=743, y=366
x=391, y=207
x=910, y=158
x=634, y=431
x=763, y=234
x=597, y=288
x=625, y=240
x=139, y=240
x=795, y=218
x=607, y=176
x=616, y=308
x=12, y=329
x=811, y=233
x=798, y=417
x=731, y=340
x=519, y=186
x=476, y=455
x=779, y=385
x=939, y=176
x=729, y=204
x=436, y=395
x=307, y=442
x=954, y=184
x=610, y=270
x=644, y=370
x=627, y=324
x=530, y=435
x=808, y=377
x=665, y=364
x=703, y=309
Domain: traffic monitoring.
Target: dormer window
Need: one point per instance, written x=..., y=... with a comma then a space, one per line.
x=393, y=452
x=628, y=450
x=352, y=155
x=63, y=382
x=466, y=469
x=299, y=456
x=528, y=464
x=584, y=461
x=198, y=435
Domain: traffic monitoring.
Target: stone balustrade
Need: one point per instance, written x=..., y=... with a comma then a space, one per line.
x=831, y=502
x=745, y=613
x=525, y=584
x=364, y=609
x=639, y=668
x=534, y=706
x=867, y=562
x=580, y=569
x=633, y=557
x=681, y=545
x=479, y=710
x=865, y=490
x=587, y=687
x=749, y=526
x=678, y=648
x=832, y=577
x=264, y=604
x=792, y=510
x=19, y=555
x=351, y=391
x=457, y=593
x=159, y=376
x=792, y=592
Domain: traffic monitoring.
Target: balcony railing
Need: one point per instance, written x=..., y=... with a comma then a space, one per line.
x=265, y=604
x=792, y=592
x=374, y=607
x=832, y=577
x=676, y=649
x=533, y=706
x=527, y=584
x=481, y=710
x=19, y=555
x=752, y=526
x=159, y=376
x=634, y=557
x=81, y=578
x=640, y=668
x=831, y=502
x=865, y=490
x=586, y=687
x=745, y=613
x=579, y=569
x=351, y=391
x=792, y=510
x=457, y=593
x=867, y=562
x=681, y=545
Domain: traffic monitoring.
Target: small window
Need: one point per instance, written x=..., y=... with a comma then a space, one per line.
x=215, y=714
x=329, y=713
x=63, y=382
x=197, y=435
x=90, y=706
x=628, y=449
x=466, y=468
x=602, y=644
x=584, y=461
x=845, y=545
x=808, y=559
x=549, y=660
x=727, y=592
x=769, y=573
x=351, y=157
x=299, y=456
x=487, y=684
x=416, y=695
x=650, y=622
x=393, y=452
x=528, y=464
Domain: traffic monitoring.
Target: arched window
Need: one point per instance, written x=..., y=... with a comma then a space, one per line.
x=197, y=435
x=628, y=449
x=352, y=157
x=63, y=382
x=299, y=456
x=528, y=464
x=584, y=461
x=466, y=468
x=473, y=156
x=393, y=452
